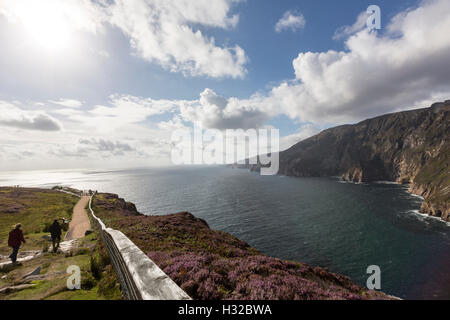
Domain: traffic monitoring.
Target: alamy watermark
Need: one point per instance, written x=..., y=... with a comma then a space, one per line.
x=197, y=146
x=74, y=280
x=374, y=19
x=374, y=281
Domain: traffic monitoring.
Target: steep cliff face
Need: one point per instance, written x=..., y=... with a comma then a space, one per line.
x=408, y=147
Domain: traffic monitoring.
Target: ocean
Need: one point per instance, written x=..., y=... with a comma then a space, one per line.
x=319, y=221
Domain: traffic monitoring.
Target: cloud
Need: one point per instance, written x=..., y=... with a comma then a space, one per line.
x=174, y=124
x=69, y=113
x=27, y=153
x=377, y=74
x=69, y=103
x=127, y=109
x=104, y=145
x=85, y=15
x=104, y=54
x=12, y=116
x=163, y=32
x=346, y=31
x=305, y=132
x=214, y=111
x=68, y=152
x=290, y=21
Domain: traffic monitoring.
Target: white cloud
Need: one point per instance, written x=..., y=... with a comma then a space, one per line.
x=163, y=32
x=173, y=124
x=69, y=103
x=13, y=116
x=290, y=21
x=104, y=54
x=67, y=112
x=83, y=15
x=214, y=111
x=305, y=132
x=166, y=32
x=112, y=136
x=126, y=109
x=375, y=75
x=105, y=145
x=346, y=31
x=402, y=68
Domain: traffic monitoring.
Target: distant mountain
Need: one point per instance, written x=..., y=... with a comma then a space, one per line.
x=409, y=147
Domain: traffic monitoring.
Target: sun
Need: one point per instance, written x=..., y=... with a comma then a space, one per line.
x=46, y=25
x=49, y=31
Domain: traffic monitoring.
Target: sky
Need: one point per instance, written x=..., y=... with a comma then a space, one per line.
x=104, y=84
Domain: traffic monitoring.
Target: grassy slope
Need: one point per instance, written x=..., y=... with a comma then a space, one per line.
x=211, y=264
x=35, y=208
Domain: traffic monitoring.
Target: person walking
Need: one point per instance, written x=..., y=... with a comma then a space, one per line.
x=15, y=240
x=55, y=231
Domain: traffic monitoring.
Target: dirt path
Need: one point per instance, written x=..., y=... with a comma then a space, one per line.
x=80, y=221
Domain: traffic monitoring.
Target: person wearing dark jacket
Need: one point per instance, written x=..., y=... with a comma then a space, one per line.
x=56, y=231
x=15, y=239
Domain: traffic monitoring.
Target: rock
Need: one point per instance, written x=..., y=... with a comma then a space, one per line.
x=67, y=246
x=354, y=175
x=21, y=287
x=438, y=105
x=35, y=272
x=34, y=278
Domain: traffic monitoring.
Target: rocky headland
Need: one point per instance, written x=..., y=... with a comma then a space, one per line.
x=409, y=147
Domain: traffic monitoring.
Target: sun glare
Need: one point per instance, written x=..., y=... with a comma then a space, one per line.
x=47, y=26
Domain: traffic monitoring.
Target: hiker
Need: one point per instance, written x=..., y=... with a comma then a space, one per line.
x=55, y=231
x=15, y=239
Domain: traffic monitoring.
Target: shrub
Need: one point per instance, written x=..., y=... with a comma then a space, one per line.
x=81, y=251
x=109, y=286
x=46, y=228
x=87, y=281
x=103, y=256
x=65, y=226
x=96, y=269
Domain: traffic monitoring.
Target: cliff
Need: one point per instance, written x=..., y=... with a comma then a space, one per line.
x=409, y=147
x=212, y=265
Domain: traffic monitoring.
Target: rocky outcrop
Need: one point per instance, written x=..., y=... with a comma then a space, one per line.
x=409, y=147
x=127, y=208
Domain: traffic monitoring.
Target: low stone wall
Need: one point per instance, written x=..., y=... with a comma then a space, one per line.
x=140, y=277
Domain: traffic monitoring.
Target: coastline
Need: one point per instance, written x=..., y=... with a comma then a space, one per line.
x=132, y=219
x=428, y=207
x=209, y=264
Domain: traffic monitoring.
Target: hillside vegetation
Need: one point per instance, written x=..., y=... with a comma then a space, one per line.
x=210, y=264
x=35, y=209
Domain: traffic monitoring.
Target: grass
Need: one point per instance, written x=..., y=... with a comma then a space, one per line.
x=34, y=208
x=436, y=175
x=54, y=286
